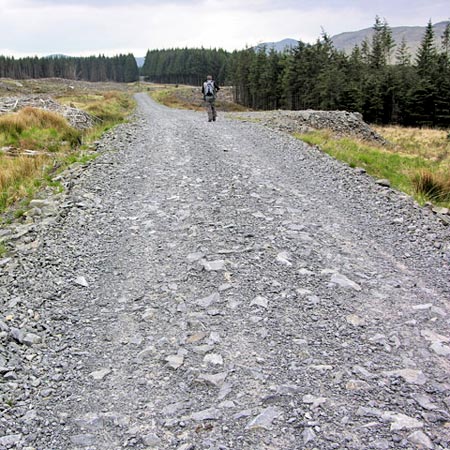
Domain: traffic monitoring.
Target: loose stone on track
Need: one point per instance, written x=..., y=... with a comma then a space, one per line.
x=177, y=296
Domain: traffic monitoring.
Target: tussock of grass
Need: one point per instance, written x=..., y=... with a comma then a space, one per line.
x=413, y=170
x=31, y=117
x=32, y=129
x=431, y=185
x=36, y=129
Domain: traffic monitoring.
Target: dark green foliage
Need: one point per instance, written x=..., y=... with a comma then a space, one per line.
x=241, y=62
x=186, y=66
x=121, y=68
x=382, y=45
x=384, y=87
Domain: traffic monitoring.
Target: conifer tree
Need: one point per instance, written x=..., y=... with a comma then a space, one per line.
x=131, y=70
x=424, y=95
x=403, y=57
x=379, y=52
x=443, y=80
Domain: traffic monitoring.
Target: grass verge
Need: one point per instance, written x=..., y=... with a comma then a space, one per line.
x=189, y=97
x=171, y=98
x=419, y=167
x=58, y=143
x=111, y=108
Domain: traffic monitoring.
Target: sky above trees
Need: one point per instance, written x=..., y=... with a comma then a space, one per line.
x=84, y=27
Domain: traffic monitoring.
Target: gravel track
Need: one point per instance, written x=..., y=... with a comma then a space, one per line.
x=225, y=286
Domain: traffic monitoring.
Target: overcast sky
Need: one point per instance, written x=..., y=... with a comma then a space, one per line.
x=85, y=27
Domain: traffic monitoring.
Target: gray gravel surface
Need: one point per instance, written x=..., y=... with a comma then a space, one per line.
x=224, y=286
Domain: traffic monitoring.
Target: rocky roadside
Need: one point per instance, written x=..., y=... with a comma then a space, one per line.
x=24, y=331
x=341, y=123
x=226, y=288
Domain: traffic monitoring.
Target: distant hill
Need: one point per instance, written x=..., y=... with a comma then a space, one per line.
x=280, y=46
x=347, y=41
x=413, y=35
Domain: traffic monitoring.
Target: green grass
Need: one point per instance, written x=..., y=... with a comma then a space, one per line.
x=245, y=118
x=37, y=129
x=403, y=170
x=81, y=158
x=18, y=213
x=109, y=107
x=3, y=250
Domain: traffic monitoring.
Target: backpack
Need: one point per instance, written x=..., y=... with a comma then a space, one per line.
x=209, y=88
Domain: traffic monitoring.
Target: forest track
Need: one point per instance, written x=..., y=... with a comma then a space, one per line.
x=225, y=286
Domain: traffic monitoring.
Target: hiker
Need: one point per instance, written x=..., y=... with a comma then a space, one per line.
x=209, y=90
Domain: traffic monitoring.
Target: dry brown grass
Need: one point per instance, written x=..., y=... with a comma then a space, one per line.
x=37, y=129
x=109, y=106
x=171, y=97
x=32, y=117
x=417, y=162
x=17, y=175
x=430, y=144
x=21, y=167
x=34, y=129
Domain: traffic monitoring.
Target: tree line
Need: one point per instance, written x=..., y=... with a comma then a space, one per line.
x=384, y=87
x=120, y=68
x=186, y=66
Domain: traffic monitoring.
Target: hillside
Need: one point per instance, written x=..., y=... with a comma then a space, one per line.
x=413, y=35
x=279, y=46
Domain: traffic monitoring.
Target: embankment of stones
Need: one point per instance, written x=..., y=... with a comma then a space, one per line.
x=341, y=123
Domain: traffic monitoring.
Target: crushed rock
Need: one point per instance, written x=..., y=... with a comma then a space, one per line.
x=341, y=123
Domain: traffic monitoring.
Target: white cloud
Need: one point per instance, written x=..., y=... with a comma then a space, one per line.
x=110, y=26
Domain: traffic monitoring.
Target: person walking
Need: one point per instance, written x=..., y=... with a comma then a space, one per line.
x=209, y=91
